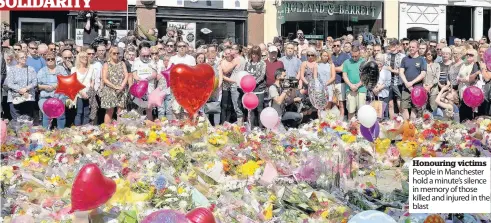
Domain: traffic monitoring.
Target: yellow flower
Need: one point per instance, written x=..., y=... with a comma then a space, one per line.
x=191, y=174
x=272, y=198
x=180, y=190
x=152, y=137
x=49, y=140
x=175, y=151
x=6, y=172
x=339, y=129
x=51, y=152
x=209, y=165
x=106, y=153
x=381, y=146
x=341, y=209
x=41, y=151
x=163, y=137
x=100, y=142
x=325, y=214
x=249, y=168
x=348, y=138
x=35, y=159
x=268, y=212
x=212, y=140
x=44, y=160
x=372, y=174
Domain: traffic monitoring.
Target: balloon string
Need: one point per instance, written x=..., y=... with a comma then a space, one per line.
x=249, y=119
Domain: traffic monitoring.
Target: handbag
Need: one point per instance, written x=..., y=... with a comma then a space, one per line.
x=23, y=98
x=213, y=107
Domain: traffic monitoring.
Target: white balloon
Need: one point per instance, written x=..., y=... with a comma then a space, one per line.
x=367, y=116
x=239, y=77
x=372, y=217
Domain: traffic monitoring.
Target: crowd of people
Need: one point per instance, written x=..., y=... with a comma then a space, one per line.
x=30, y=70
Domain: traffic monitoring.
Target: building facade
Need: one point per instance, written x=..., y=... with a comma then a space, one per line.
x=444, y=19
x=205, y=20
x=319, y=19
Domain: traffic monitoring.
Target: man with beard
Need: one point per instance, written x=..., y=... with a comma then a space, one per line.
x=143, y=70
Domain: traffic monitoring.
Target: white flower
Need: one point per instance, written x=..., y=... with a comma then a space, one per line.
x=171, y=200
x=183, y=204
x=172, y=188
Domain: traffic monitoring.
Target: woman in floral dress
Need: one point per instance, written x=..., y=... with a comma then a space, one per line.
x=115, y=78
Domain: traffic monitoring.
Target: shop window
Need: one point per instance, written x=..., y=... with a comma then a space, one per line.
x=418, y=33
x=79, y=24
x=39, y=29
x=219, y=30
x=315, y=29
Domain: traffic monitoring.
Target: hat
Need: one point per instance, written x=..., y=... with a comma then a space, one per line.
x=272, y=49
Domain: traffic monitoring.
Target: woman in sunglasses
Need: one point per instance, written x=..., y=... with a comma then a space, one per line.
x=308, y=69
x=468, y=75
x=47, y=83
x=115, y=78
x=85, y=73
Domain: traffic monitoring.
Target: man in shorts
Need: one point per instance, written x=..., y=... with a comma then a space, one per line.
x=356, y=92
x=338, y=58
x=412, y=73
x=393, y=63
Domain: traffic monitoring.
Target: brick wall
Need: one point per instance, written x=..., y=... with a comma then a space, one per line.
x=146, y=15
x=255, y=27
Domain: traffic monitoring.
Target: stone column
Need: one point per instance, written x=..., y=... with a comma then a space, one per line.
x=442, y=22
x=478, y=23
x=255, y=23
x=5, y=17
x=391, y=11
x=146, y=15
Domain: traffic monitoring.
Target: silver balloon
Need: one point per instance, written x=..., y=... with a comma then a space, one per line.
x=317, y=95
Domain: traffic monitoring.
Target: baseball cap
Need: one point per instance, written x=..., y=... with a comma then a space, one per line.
x=272, y=49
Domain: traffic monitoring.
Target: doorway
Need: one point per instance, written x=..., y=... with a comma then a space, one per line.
x=42, y=30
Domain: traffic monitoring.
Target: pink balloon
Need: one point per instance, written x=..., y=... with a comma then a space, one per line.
x=269, y=118
x=168, y=216
x=250, y=101
x=166, y=74
x=248, y=83
x=3, y=130
x=156, y=98
x=419, y=96
x=139, y=89
x=473, y=96
x=53, y=107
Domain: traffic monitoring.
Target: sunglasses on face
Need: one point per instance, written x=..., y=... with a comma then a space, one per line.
x=405, y=44
x=438, y=49
x=115, y=53
x=470, y=55
x=310, y=55
x=145, y=56
x=264, y=55
x=155, y=53
x=336, y=45
x=50, y=59
x=53, y=50
x=170, y=45
x=16, y=49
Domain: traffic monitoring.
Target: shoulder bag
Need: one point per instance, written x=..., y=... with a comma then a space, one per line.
x=23, y=98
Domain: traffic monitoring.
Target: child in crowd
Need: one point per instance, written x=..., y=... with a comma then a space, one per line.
x=448, y=100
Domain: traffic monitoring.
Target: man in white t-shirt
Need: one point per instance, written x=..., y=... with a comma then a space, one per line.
x=143, y=70
x=182, y=57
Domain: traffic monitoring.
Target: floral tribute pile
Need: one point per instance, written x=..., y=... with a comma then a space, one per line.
x=323, y=172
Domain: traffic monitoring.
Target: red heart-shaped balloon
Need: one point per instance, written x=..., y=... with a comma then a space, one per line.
x=201, y=215
x=192, y=86
x=91, y=189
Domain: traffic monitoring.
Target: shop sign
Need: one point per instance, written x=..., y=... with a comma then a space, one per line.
x=79, y=37
x=188, y=31
x=329, y=8
x=314, y=36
